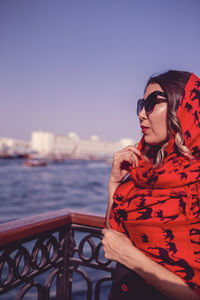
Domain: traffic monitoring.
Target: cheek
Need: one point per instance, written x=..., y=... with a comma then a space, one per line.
x=159, y=123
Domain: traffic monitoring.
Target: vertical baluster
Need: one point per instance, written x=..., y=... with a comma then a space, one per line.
x=64, y=284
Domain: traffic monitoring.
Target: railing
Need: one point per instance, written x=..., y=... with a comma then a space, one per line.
x=53, y=256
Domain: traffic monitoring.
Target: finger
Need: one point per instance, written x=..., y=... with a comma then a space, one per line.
x=127, y=148
x=128, y=161
x=120, y=157
x=104, y=230
x=129, y=158
x=132, y=150
x=116, y=232
x=135, y=150
x=135, y=159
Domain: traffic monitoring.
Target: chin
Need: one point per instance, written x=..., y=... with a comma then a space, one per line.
x=150, y=141
x=154, y=142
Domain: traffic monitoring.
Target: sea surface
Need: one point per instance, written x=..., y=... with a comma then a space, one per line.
x=81, y=186
x=78, y=185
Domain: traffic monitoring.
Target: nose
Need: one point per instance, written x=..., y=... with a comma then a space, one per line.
x=142, y=114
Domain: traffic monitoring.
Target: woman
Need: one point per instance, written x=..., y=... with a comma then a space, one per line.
x=153, y=216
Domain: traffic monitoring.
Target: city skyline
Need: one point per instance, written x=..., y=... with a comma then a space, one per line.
x=70, y=133
x=81, y=65
x=52, y=146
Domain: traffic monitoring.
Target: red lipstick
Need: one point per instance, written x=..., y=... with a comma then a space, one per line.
x=144, y=128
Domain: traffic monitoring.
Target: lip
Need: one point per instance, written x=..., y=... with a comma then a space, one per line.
x=144, y=128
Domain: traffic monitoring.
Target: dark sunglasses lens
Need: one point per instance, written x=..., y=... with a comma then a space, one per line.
x=150, y=102
x=140, y=105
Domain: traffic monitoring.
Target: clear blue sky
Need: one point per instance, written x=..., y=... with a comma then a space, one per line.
x=80, y=65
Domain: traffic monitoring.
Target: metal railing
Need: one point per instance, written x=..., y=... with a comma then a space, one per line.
x=53, y=256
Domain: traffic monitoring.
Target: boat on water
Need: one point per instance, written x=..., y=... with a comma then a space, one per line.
x=35, y=162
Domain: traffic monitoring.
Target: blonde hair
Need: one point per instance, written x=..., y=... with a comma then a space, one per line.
x=179, y=144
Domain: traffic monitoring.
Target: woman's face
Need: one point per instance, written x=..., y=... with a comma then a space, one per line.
x=154, y=125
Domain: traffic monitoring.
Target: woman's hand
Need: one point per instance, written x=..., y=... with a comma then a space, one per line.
x=122, y=161
x=116, y=245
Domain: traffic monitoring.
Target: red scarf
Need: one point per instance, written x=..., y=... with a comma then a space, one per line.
x=159, y=209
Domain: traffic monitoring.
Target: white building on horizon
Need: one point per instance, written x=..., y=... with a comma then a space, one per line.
x=47, y=143
x=12, y=147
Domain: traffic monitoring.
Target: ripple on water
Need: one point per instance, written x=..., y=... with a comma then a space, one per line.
x=79, y=186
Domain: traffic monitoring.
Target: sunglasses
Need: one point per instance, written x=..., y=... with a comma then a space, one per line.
x=150, y=102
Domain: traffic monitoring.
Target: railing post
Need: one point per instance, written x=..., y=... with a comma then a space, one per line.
x=64, y=286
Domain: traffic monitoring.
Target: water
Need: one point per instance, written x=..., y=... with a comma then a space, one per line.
x=79, y=186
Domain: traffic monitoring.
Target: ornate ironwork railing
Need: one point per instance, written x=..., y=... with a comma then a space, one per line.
x=53, y=256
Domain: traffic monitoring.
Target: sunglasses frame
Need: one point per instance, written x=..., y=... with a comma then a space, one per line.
x=150, y=102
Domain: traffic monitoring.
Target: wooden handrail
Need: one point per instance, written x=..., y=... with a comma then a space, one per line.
x=88, y=220
x=27, y=227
